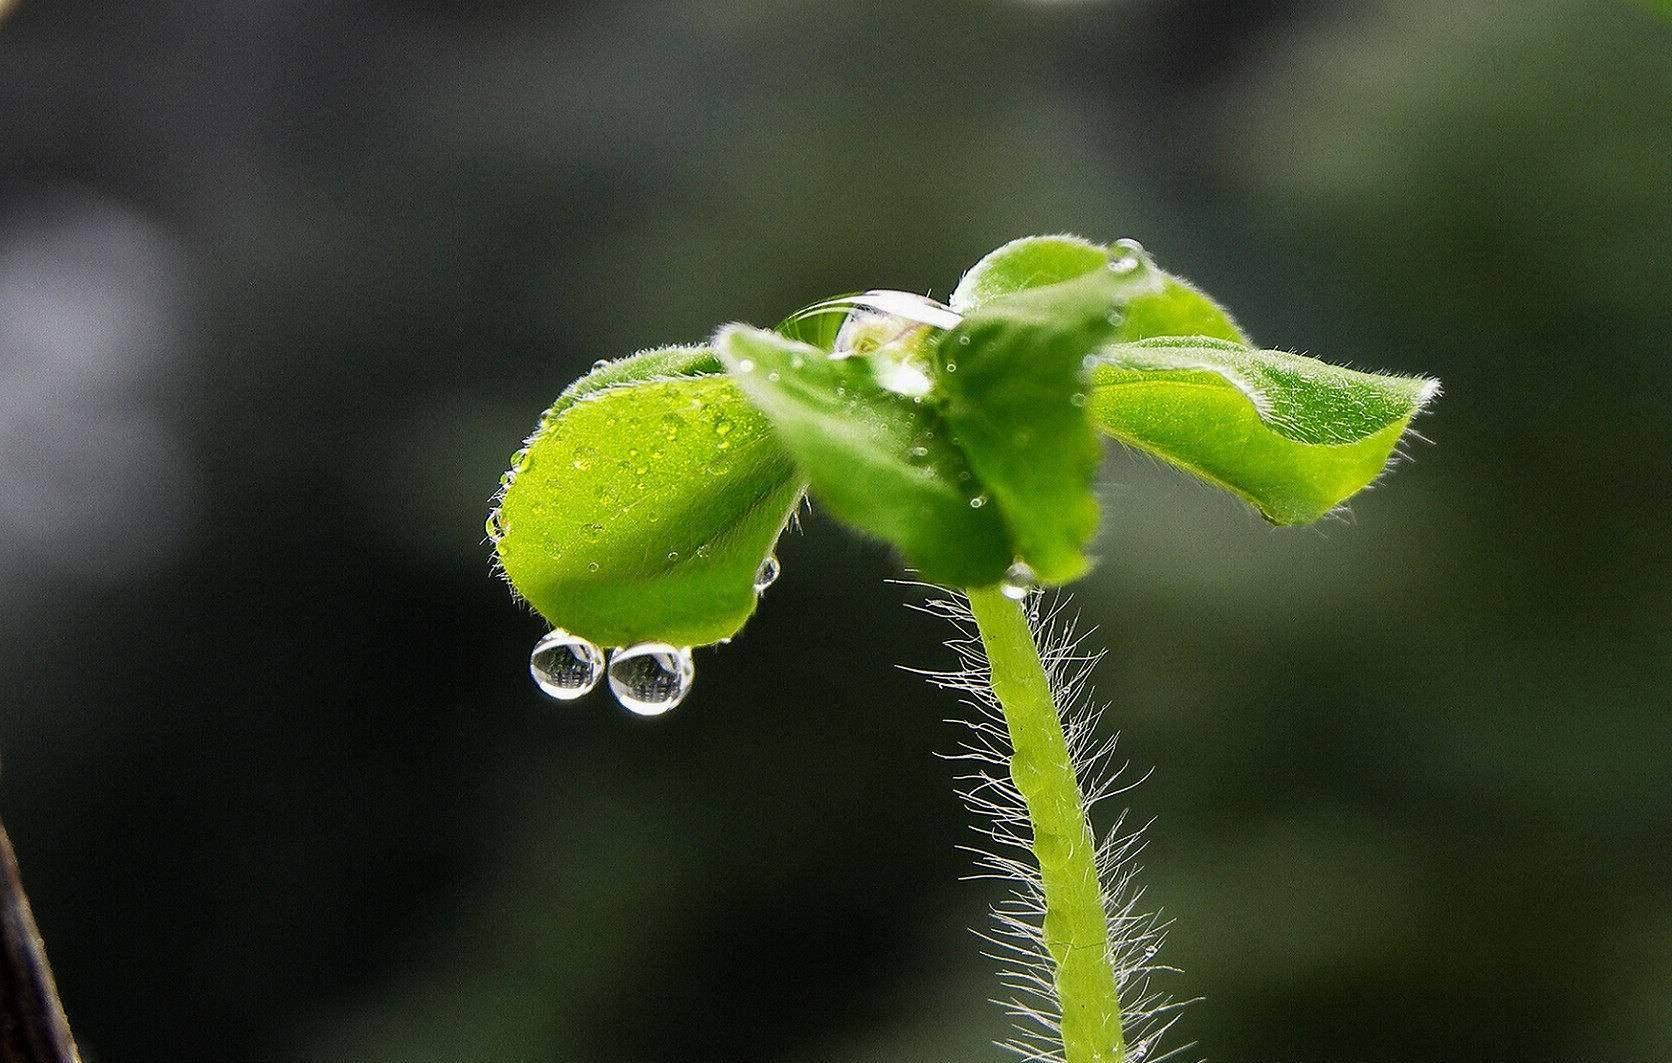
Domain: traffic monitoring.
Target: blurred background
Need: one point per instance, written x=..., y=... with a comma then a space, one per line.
x=282, y=285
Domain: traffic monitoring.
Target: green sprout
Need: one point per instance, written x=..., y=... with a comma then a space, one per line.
x=643, y=512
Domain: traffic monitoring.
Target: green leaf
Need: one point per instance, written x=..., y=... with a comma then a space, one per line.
x=1013, y=380
x=1031, y=262
x=645, y=503
x=1153, y=302
x=1293, y=436
x=876, y=459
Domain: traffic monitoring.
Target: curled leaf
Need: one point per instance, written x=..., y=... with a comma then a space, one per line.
x=1293, y=436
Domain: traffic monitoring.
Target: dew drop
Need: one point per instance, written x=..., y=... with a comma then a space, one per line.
x=951, y=367
x=1019, y=581
x=978, y=501
x=673, y=555
x=600, y=363
x=495, y=526
x=1130, y=257
x=963, y=341
x=917, y=455
x=651, y=678
x=520, y=460
x=767, y=574
x=746, y=365
x=593, y=531
x=565, y=666
x=881, y=317
x=592, y=566
x=1078, y=398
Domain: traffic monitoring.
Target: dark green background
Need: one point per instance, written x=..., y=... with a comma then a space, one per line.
x=282, y=285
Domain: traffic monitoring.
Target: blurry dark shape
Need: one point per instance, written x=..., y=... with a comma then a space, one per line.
x=91, y=314
x=32, y=1024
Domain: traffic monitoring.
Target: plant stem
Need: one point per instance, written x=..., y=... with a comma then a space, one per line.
x=1076, y=925
x=32, y=1024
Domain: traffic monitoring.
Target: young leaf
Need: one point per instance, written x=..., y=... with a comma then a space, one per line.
x=877, y=459
x=1012, y=377
x=1153, y=302
x=645, y=503
x=1293, y=436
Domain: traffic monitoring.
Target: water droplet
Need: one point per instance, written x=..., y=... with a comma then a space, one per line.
x=651, y=678
x=773, y=376
x=592, y=566
x=704, y=550
x=963, y=341
x=1078, y=398
x=495, y=527
x=978, y=501
x=1129, y=256
x=584, y=457
x=673, y=555
x=1019, y=582
x=1116, y=317
x=600, y=363
x=565, y=666
x=951, y=367
x=767, y=574
x=746, y=365
x=519, y=460
x=1137, y=1051
x=593, y=531
x=722, y=426
x=881, y=318
x=917, y=455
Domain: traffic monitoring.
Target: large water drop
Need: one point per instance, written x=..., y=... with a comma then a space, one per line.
x=879, y=318
x=565, y=666
x=651, y=678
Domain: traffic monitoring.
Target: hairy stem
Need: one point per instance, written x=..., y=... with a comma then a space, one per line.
x=1076, y=926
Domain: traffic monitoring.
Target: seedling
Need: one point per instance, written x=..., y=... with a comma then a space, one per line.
x=643, y=512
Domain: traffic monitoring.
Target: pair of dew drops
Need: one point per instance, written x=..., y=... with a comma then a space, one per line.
x=648, y=679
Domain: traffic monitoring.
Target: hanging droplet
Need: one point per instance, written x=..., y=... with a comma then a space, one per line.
x=651, y=678
x=519, y=460
x=565, y=666
x=495, y=526
x=1019, y=581
x=767, y=574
